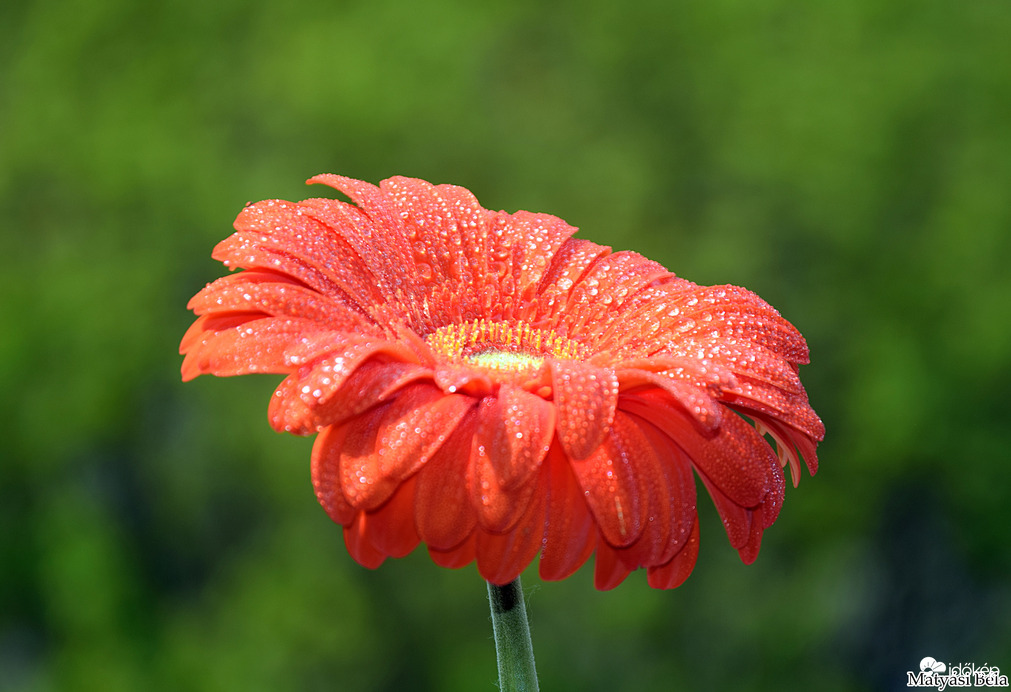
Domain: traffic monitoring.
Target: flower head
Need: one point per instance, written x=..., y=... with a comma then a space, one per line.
x=485, y=384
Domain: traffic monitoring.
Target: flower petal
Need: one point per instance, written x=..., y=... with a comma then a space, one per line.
x=737, y=520
x=736, y=460
x=792, y=445
x=326, y=451
x=737, y=313
x=306, y=400
x=284, y=237
x=501, y=557
x=569, y=534
x=514, y=432
x=240, y=343
x=704, y=374
x=791, y=409
x=448, y=227
x=392, y=441
x=390, y=529
x=572, y=260
x=519, y=248
x=371, y=383
x=773, y=502
x=615, y=487
x=585, y=397
x=747, y=359
x=358, y=544
x=443, y=511
x=705, y=411
x=745, y=525
x=453, y=377
x=376, y=230
x=674, y=572
x=671, y=500
x=277, y=295
x=608, y=569
x=596, y=301
x=458, y=556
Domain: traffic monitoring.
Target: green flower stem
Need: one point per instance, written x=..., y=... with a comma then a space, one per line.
x=516, y=672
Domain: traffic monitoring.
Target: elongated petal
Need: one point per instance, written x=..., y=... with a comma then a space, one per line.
x=745, y=359
x=570, y=535
x=738, y=313
x=736, y=519
x=385, y=529
x=454, y=377
x=608, y=569
x=241, y=343
x=736, y=460
x=358, y=544
x=596, y=302
x=706, y=375
x=673, y=573
x=448, y=226
x=443, y=511
x=520, y=246
x=514, y=432
x=550, y=300
x=671, y=513
x=572, y=261
x=373, y=382
x=392, y=441
x=791, y=409
x=378, y=233
x=693, y=400
x=616, y=488
x=792, y=444
x=773, y=502
x=306, y=400
x=745, y=525
x=585, y=396
x=458, y=556
x=282, y=237
x=298, y=231
x=652, y=542
x=502, y=556
x=277, y=295
x=326, y=451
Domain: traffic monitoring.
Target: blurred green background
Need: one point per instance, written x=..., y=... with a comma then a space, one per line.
x=850, y=162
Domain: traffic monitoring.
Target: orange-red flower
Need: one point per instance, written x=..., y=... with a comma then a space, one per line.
x=485, y=384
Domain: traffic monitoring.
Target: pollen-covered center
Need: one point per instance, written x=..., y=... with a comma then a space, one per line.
x=504, y=360
x=505, y=347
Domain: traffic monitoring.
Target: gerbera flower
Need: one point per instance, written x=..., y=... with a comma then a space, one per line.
x=485, y=384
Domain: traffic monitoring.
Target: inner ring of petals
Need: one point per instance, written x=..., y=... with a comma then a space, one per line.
x=502, y=346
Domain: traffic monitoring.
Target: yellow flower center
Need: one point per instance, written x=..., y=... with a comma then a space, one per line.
x=505, y=347
x=504, y=360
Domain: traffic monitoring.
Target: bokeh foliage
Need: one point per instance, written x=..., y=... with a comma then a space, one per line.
x=850, y=162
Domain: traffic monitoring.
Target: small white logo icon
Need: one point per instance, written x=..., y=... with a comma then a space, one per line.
x=929, y=665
